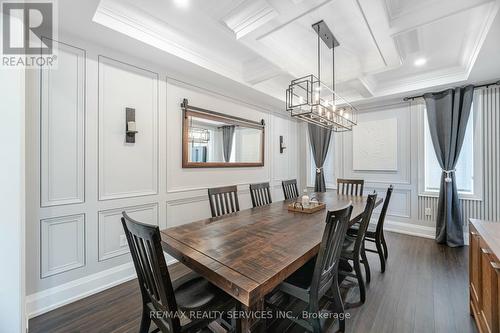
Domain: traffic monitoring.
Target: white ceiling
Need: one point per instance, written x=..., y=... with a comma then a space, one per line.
x=263, y=44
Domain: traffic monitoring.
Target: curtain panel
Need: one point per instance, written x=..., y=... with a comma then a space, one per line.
x=447, y=113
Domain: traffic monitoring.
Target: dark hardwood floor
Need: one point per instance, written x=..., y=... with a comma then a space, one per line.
x=424, y=289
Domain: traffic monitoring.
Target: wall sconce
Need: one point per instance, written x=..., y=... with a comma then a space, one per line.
x=130, y=126
x=282, y=145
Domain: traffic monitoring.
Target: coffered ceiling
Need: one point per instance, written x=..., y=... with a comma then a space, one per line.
x=386, y=47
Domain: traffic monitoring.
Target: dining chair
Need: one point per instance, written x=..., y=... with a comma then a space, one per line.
x=159, y=294
x=375, y=234
x=353, y=248
x=319, y=275
x=223, y=200
x=290, y=190
x=350, y=186
x=261, y=194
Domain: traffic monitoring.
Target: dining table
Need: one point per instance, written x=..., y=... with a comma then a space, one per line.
x=249, y=253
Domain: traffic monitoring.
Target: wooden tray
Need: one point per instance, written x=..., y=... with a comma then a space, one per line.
x=297, y=207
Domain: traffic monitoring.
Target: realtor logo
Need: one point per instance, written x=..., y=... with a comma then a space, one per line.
x=28, y=33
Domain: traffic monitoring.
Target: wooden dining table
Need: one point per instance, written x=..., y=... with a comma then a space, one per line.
x=249, y=253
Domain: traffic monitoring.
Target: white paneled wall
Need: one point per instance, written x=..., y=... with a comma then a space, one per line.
x=63, y=244
x=81, y=174
x=127, y=169
x=377, y=174
x=63, y=129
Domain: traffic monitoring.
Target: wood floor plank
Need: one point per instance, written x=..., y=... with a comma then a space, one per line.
x=424, y=289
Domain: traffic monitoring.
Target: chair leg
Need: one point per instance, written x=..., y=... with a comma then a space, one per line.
x=145, y=320
x=361, y=283
x=381, y=255
x=367, y=266
x=338, y=305
x=384, y=244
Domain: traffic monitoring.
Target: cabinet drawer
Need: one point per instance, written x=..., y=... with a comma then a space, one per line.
x=489, y=291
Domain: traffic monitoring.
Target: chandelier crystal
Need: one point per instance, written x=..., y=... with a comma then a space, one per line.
x=313, y=101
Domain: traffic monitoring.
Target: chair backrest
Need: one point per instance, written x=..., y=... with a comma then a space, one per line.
x=144, y=242
x=223, y=200
x=383, y=212
x=290, y=189
x=326, y=267
x=350, y=186
x=261, y=194
x=365, y=221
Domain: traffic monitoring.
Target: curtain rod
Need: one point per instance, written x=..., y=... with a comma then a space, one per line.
x=185, y=105
x=486, y=85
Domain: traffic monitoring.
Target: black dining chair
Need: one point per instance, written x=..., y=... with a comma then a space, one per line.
x=290, y=190
x=223, y=200
x=261, y=194
x=350, y=186
x=159, y=294
x=311, y=282
x=375, y=234
x=353, y=248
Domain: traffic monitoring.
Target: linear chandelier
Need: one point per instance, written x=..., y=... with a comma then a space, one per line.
x=198, y=135
x=311, y=100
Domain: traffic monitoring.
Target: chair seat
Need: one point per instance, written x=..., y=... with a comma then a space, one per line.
x=370, y=232
x=193, y=292
x=348, y=245
x=303, y=276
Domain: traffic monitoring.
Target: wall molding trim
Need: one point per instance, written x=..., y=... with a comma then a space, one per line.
x=103, y=193
x=48, y=115
x=101, y=230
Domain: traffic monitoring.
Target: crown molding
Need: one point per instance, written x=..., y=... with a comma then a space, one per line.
x=137, y=24
x=249, y=16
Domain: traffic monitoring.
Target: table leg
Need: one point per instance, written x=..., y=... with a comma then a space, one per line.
x=251, y=321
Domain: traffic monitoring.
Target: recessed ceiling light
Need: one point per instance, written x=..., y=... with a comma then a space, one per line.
x=420, y=62
x=182, y=3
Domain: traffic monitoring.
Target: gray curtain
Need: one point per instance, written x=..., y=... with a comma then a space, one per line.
x=227, y=141
x=320, y=140
x=448, y=112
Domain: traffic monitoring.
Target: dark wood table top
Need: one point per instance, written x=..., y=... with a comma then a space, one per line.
x=248, y=253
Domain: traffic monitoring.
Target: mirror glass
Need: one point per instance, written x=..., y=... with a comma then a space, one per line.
x=210, y=140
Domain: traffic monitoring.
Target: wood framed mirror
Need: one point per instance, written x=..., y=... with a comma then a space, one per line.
x=215, y=140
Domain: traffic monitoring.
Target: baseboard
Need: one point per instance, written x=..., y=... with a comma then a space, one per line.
x=53, y=298
x=410, y=229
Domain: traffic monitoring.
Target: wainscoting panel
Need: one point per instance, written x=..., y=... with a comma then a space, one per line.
x=375, y=145
x=62, y=242
x=400, y=115
x=400, y=204
x=62, y=128
x=487, y=208
x=112, y=239
x=127, y=169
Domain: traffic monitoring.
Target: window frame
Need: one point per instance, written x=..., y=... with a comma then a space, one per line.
x=477, y=193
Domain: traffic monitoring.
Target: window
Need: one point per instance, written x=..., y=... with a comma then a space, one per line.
x=468, y=169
